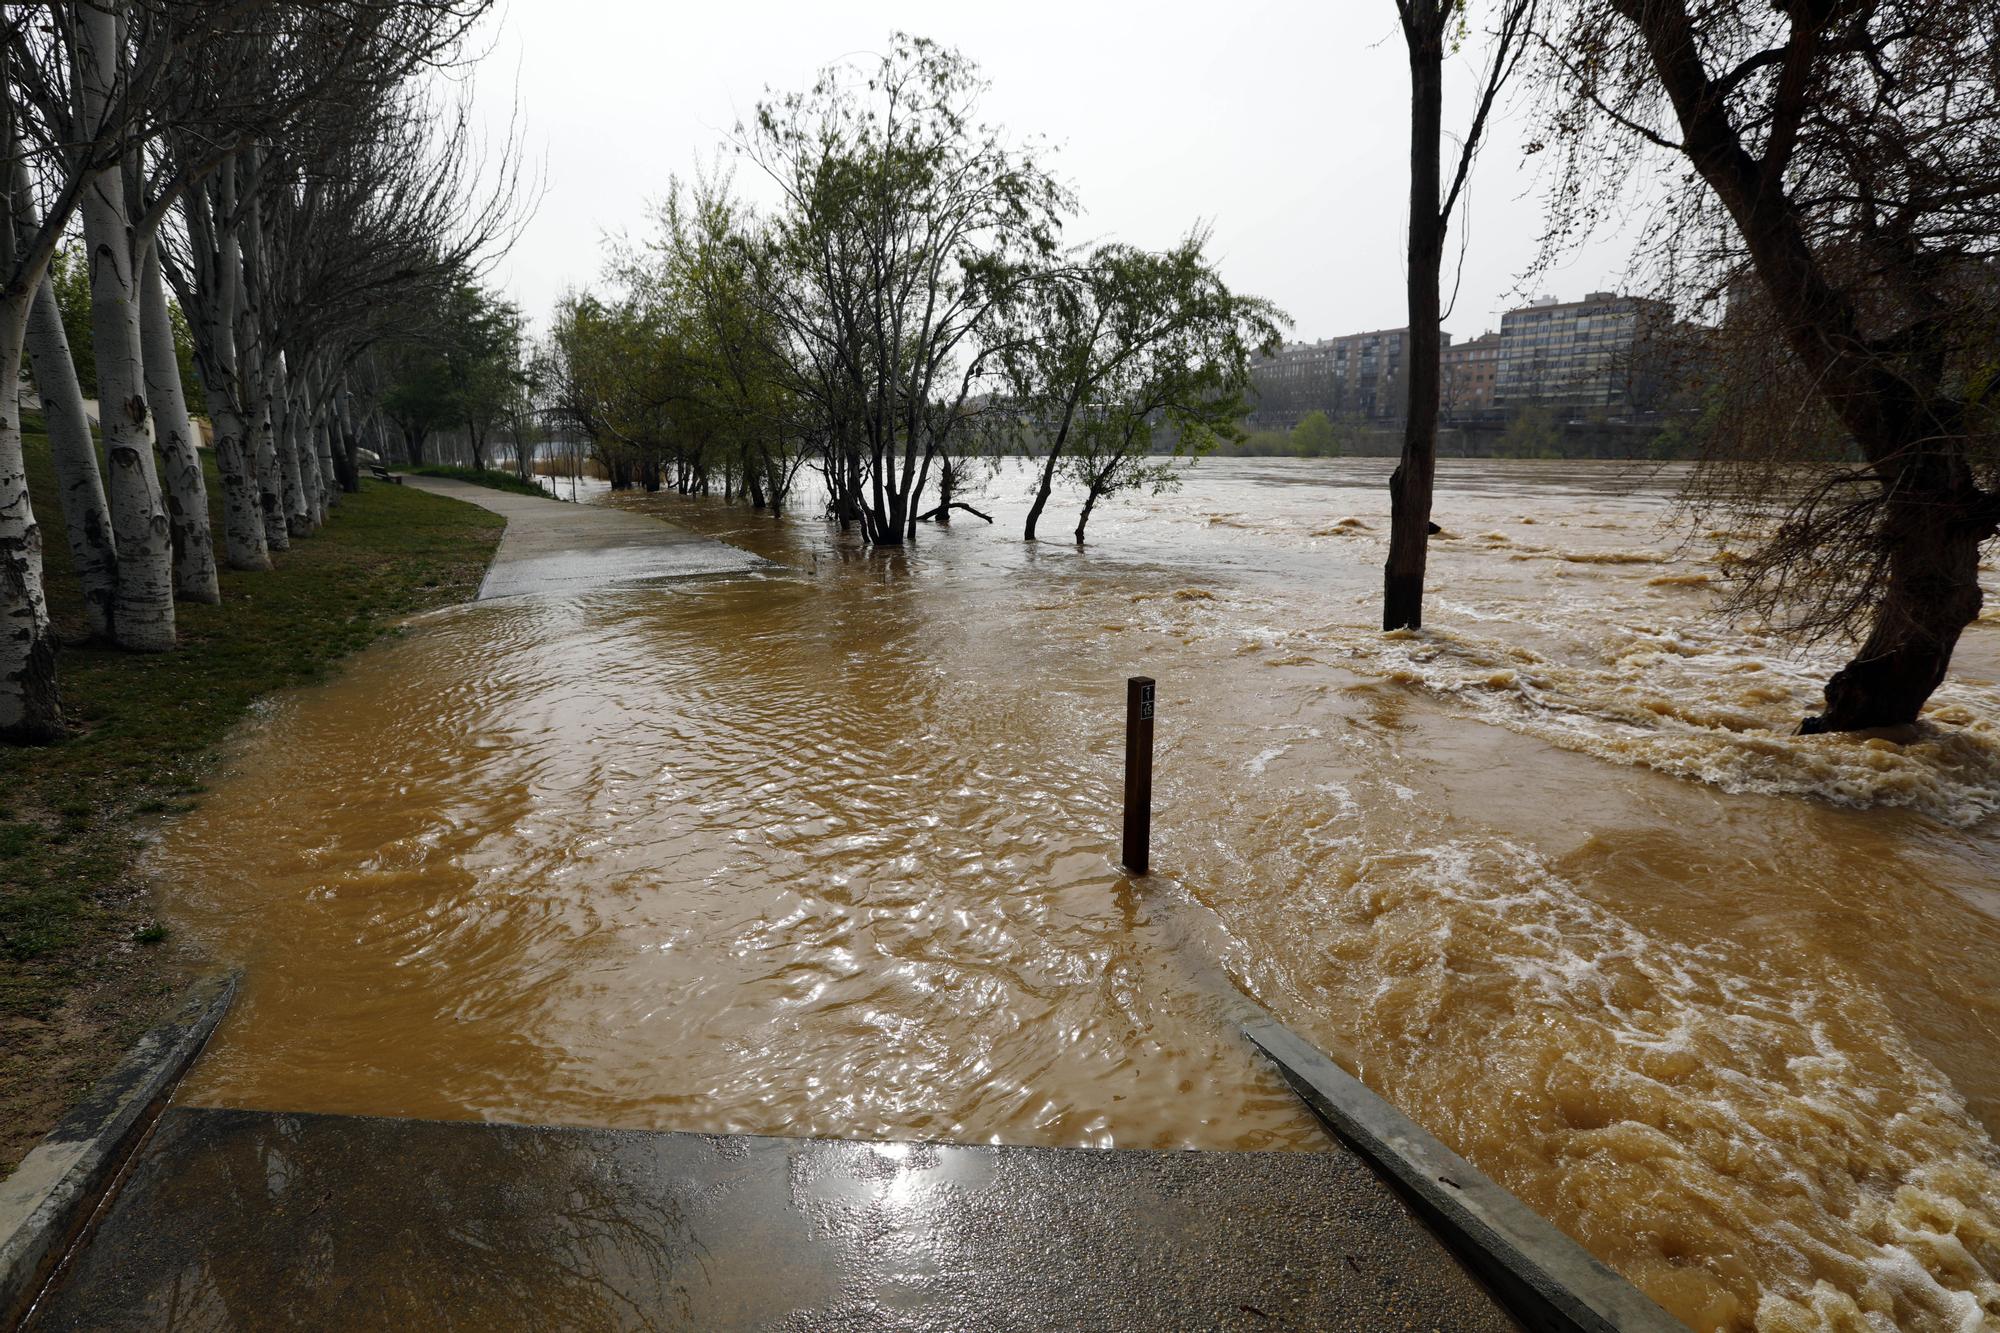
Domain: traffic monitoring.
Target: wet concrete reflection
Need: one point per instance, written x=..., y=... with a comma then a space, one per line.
x=239, y=1220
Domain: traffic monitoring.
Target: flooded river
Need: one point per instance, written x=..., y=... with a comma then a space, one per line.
x=828, y=849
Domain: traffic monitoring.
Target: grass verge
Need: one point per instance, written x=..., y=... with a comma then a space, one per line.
x=499, y=481
x=85, y=964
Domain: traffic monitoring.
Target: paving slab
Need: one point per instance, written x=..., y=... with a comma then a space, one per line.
x=234, y=1219
x=554, y=547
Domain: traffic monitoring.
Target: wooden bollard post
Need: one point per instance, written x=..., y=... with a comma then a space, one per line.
x=1138, y=772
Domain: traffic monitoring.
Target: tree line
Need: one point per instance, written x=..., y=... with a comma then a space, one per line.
x=905, y=312
x=271, y=194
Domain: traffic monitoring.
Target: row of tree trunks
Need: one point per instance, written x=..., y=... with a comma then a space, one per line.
x=173, y=432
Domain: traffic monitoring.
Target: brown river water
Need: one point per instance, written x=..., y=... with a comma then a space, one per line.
x=829, y=850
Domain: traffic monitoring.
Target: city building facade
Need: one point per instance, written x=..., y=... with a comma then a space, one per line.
x=1358, y=377
x=1603, y=354
x=1469, y=371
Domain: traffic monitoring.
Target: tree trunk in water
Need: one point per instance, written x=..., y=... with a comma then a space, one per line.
x=30, y=706
x=86, y=515
x=947, y=483
x=1411, y=485
x=1932, y=595
x=1042, y=489
x=1083, y=519
x=187, y=492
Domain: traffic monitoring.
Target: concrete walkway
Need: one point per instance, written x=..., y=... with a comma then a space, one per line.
x=554, y=547
x=235, y=1219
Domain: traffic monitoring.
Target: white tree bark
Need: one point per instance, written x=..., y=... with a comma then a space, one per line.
x=30, y=708
x=187, y=492
x=302, y=433
x=328, y=473
x=143, y=619
x=86, y=515
x=285, y=436
x=305, y=425
x=255, y=359
x=217, y=296
x=344, y=442
x=264, y=450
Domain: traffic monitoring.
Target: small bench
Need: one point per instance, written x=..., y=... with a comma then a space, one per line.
x=384, y=474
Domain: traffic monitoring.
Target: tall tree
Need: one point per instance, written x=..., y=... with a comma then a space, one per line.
x=143, y=612
x=1828, y=170
x=907, y=228
x=1428, y=27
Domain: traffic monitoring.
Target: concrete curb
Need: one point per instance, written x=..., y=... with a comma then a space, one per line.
x=1547, y=1279
x=52, y=1194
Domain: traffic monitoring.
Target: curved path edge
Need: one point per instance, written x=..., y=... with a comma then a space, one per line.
x=553, y=547
x=49, y=1200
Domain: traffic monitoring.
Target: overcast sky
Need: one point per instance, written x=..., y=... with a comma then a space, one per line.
x=1284, y=125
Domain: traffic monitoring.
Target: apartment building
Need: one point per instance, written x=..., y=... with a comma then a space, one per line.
x=1355, y=377
x=1600, y=354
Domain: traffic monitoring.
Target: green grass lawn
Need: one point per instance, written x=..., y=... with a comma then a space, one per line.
x=84, y=963
x=499, y=481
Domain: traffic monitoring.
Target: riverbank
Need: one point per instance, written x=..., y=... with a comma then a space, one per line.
x=87, y=964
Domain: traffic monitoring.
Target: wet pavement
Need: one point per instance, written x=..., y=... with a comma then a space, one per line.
x=236, y=1219
x=554, y=547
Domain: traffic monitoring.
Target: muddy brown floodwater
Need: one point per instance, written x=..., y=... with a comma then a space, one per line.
x=829, y=850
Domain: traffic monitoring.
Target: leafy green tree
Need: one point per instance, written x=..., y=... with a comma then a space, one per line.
x=1532, y=432
x=482, y=363
x=462, y=370
x=1315, y=437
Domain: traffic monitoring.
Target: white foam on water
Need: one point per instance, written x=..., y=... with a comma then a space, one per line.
x=1715, y=706
x=1760, y=1153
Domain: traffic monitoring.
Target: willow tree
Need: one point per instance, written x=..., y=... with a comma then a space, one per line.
x=1828, y=171
x=1120, y=348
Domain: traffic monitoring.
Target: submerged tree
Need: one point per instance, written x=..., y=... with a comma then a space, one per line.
x=1829, y=172
x=1428, y=26
x=1121, y=348
x=907, y=229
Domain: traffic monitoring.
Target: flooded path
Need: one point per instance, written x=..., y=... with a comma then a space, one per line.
x=826, y=848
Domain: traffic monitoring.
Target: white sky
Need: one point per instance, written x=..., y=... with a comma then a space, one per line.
x=1285, y=125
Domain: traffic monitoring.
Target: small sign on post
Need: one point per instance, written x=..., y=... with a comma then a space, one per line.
x=1138, y=772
